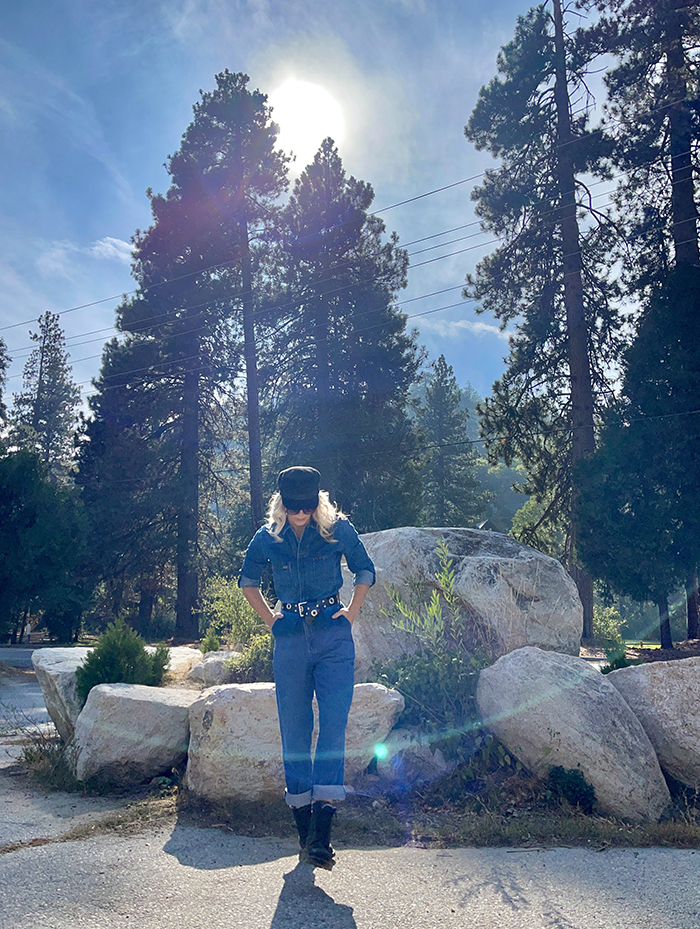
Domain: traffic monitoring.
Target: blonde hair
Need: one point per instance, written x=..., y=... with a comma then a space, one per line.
x=324, y=516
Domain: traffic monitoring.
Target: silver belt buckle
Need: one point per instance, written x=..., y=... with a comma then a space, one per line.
x=300, y=608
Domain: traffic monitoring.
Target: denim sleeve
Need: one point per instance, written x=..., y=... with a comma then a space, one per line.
x=355, y=553
x=254, y=563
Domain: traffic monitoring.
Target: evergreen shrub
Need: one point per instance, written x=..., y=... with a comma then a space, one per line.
x=210, y=642
x=120, y=656
x=607, y=625
x=439, y=691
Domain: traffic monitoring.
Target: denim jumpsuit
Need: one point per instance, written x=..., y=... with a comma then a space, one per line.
x=311, y=655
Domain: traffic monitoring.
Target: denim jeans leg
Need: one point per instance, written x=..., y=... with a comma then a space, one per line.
x=294, y=685
x=334, y=681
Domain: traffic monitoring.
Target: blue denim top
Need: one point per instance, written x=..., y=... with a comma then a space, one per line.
x=306, y=568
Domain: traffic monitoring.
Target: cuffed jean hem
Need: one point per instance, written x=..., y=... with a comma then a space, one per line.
x=329, y=792
x=297, y=800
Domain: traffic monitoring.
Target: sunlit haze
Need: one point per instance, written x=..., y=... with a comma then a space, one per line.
x=306, y=114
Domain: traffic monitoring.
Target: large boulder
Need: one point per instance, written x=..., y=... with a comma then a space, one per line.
x=550, y=709
x=514, y=595
x=181, y=658
x=235, y=746
x=210, y=669
x=128, y=733
x=665, y=698
x=55, y=670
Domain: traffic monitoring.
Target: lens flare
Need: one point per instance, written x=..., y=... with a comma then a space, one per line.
x=381, y=751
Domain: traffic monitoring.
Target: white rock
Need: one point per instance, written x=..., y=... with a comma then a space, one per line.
x=181, y=659
x=209, y=670
x=665, y=698
x=515, y=595
x=235, y=746
x=550, y=709
x=55, y=670
x=128, y=733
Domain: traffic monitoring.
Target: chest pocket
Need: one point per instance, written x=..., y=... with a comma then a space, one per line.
x=324, y=568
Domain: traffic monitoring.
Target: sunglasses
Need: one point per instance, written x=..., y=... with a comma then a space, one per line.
x=296, y=512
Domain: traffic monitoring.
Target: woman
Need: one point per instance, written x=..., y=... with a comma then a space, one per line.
x=304, y=541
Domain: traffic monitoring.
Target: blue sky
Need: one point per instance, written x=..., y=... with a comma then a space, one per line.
x=95, y=94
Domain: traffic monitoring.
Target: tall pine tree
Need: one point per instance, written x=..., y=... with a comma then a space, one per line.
x=550, y=274
x=196, y=268
x=339, y=387
x=44, y=413
x=452, y=493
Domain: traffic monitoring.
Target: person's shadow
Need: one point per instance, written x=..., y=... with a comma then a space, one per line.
x=302, y=903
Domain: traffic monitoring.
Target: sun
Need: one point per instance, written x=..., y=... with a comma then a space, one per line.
x=306, y=114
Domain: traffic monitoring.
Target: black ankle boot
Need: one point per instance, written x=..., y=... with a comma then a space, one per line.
x=302, y=817
x=318, y=846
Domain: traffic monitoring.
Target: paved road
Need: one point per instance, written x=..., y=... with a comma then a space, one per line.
x=181, y=877
x=20, y=695
x=16, y=656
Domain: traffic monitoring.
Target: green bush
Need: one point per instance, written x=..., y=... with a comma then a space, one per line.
x=254, y=663
x=120, y=656
x=439, y=681
x=439, y=690
x=569, y=784
x=620, y=661
x=607, y=625
x=227, y=613
x=442, y=625
x=210, y=642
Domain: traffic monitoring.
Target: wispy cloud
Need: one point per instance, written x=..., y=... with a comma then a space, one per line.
x=59, y=259
x=448, y=329
x=34, y=101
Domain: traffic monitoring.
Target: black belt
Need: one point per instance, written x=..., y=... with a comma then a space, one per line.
x=311, y=608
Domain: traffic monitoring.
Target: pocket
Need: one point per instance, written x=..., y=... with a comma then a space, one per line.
x=286, y=625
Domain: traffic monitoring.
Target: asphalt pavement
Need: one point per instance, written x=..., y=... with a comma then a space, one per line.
x=180, y=877
x=177, y=876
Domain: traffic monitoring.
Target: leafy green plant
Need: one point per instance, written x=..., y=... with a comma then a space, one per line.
x=439, y=681
x=569, y=784
x=227, y=613
x=607, y=625
x=439, y=689
x=254, y=663
x=442, y=625
x=120, y=656
x=210, y=642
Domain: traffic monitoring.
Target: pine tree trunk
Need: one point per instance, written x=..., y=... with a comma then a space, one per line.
x=683, y=209
x=583, y=437
x=252, y=390
x=664, y=623
x=147, y=599
x=693, y=603
x=187, y=618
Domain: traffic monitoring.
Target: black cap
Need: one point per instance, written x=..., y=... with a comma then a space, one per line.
x=299, y=488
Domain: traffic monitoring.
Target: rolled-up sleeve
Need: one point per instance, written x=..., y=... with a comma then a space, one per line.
x=355, y=553
x=254, y=563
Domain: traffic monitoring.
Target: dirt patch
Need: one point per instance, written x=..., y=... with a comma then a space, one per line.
x=688, y=649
